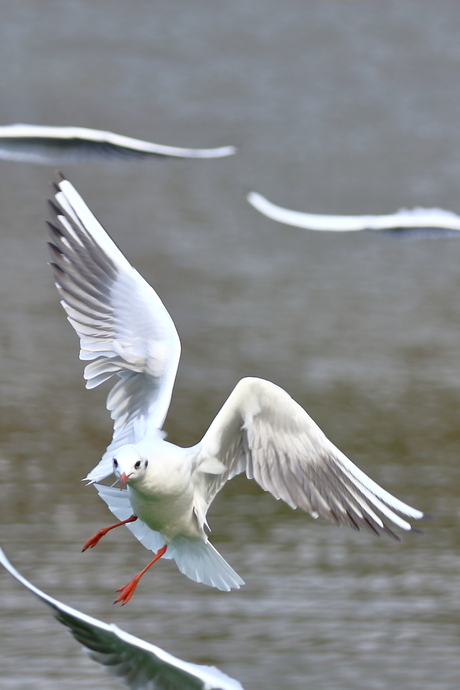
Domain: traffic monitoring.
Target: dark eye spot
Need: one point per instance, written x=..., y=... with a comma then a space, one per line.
x=146, y=463
x=137, y=465
x=115, y=462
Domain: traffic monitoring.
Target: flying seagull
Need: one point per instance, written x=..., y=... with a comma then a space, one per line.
x=139, y=664
x=40, y=144
x=415, y=218
x=126, y=331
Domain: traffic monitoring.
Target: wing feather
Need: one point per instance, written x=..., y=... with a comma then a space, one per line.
x=402, y=219
x=139, y=664
x=123, y=326
x=43, y=144
x=263, y=431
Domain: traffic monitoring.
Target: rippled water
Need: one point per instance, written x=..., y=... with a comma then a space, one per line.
x=336, y=107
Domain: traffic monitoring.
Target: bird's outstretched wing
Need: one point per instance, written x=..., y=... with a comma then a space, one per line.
x=261, y=430
x=138, y=664
x=122, y=323
x=43, y=144
x=415, y=218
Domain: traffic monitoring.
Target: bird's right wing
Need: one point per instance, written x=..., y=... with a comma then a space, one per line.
x=122, y=323
x=138, y=664
x=261, y=430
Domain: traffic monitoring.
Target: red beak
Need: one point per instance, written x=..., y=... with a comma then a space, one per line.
x=123, y=479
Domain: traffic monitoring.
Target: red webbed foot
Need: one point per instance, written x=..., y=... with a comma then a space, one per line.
x=128, y=590
x=95, y=539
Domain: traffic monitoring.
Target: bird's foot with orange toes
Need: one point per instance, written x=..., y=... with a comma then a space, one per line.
x=95, y=539
x=128, y=590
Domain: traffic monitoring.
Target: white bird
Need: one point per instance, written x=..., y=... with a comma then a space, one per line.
x=42, y=144
x=124, y=327
x=138, y=664
x=405, y=218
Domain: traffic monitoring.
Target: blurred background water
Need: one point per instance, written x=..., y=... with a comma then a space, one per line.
x=336, y=106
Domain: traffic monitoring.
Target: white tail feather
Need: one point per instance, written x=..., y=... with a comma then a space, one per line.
x=201, y=562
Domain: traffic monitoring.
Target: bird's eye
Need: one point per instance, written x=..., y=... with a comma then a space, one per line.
x=137, y=465
x=146, y=463
x=115, y=462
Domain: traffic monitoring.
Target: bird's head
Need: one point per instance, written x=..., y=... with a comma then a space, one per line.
x=128, y=465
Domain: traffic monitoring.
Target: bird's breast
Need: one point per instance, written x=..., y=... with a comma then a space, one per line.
x=169, y=512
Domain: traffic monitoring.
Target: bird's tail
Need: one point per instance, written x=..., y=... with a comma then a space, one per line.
x=201, y=562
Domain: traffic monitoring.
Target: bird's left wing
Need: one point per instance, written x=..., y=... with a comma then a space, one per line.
x=138, y=664
x=261, y=430
x=122, y=323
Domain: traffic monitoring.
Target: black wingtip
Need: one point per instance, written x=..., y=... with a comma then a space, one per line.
x=55, y=267
x=55, y=231
x=55, y=210
x=427, y=517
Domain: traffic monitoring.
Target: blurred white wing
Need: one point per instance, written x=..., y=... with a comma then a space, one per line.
x=41, y=144
x=122, y=323
x=412, y=218
x=261, y=430
x=138, y=664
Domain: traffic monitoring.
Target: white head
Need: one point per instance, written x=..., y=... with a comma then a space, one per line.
x=129, y=465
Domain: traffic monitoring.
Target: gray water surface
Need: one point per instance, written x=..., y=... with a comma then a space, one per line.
x=337, y=107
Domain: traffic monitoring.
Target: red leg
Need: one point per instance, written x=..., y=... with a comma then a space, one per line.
x=128, y=590
x=103, y=531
